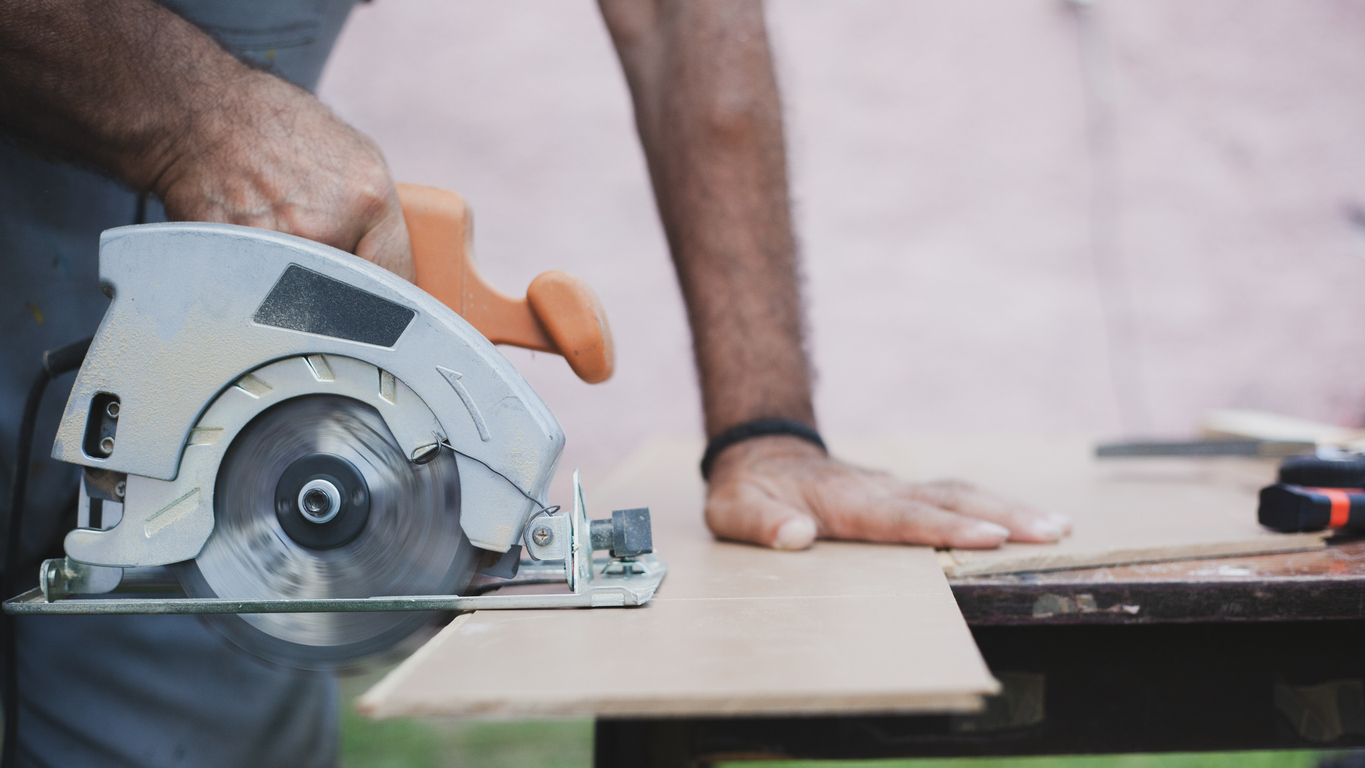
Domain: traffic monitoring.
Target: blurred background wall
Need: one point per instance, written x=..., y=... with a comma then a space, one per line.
x=1035, y=215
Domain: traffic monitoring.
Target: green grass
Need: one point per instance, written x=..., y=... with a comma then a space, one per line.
x=369, y=743
x=411, y=744
x=1194, y=760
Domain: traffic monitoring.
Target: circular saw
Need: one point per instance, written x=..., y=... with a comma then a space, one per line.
x=320, y=457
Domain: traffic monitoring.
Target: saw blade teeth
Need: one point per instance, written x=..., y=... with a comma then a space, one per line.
x=409, y=540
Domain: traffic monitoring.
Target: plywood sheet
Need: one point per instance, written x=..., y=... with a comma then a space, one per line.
x=733, y=630
x=1125, y=510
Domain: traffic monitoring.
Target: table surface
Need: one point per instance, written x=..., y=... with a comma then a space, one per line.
x=1164, y=656
x=841, y=628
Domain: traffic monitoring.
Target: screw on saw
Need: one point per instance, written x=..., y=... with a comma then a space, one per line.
x=102, y=425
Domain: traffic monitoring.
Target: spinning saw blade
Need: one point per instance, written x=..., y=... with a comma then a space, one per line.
x=314, y=499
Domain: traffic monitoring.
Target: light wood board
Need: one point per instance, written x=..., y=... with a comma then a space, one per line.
x=1125, y=510
x=734, y=629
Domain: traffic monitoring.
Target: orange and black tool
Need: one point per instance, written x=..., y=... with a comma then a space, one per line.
x=1293, y=508
x=1314, y=494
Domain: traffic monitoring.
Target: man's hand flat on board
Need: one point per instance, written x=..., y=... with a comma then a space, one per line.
x=783, y=492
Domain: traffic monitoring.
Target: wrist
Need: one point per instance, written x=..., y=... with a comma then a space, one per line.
x=212, y=117
x=745, y=455
x=781, y=434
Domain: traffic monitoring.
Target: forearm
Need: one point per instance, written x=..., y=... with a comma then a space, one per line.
x=114, y=83
x=709, y=117
x=129, y=87
x=708, y=113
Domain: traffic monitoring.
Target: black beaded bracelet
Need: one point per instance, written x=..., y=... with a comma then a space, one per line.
x=756, y=428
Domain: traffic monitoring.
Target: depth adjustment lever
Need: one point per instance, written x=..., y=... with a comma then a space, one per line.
x=626, y=534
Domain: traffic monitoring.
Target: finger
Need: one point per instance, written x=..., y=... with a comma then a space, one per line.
x=743, y=512
x=1025, y=523
x=387, y=245
x=906, y=521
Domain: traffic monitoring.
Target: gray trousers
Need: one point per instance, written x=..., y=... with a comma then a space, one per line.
x=144, y=691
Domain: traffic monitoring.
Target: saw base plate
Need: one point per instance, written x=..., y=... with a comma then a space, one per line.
x=615, y=583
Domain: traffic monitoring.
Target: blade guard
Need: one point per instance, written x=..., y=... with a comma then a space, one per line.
x=197, y=307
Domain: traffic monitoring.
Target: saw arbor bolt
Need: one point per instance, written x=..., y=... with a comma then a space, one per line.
x=322, y=501
x=319, y=501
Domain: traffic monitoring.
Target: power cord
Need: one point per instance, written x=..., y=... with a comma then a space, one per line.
x=550, y=510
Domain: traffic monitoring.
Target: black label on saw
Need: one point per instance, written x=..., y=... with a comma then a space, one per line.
x=304, y=300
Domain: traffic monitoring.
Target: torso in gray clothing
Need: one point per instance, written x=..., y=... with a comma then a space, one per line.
x=127, y=690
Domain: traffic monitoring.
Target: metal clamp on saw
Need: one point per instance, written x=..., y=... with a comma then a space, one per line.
x=318, y=455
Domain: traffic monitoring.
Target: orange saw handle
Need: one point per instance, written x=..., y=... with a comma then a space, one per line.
x=559, y=314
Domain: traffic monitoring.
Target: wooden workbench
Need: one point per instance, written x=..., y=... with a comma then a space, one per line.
x=1227, y=654
x=1310, y=586
x=1242, y=652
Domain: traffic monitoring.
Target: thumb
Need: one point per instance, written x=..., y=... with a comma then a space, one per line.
x=743, y=512
x=385, y=242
